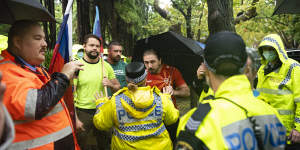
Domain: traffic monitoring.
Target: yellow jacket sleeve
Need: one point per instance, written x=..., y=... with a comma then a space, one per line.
x=171, y=114
x=296, y=94
x=103, y=118
x=183, y=120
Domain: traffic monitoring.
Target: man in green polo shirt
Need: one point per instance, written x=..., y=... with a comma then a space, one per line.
x=115, y=50
x=89, y=82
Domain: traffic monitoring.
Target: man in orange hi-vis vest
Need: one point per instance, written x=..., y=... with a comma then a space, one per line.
x=32, y=97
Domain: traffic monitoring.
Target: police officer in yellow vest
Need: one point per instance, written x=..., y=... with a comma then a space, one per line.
x=278, y=85
x=234, y=118
x=137, y=113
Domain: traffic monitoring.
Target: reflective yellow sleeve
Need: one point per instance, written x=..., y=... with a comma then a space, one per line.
x=296, y=95
x=183, y=120
x=103, y=118
x=171, y=114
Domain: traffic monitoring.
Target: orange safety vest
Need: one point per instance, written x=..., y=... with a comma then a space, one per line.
x=20, y=100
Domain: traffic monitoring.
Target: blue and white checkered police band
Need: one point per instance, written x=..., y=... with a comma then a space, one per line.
x=141, y=137
x=218, y=61
x=152, y=121
x=138, y=79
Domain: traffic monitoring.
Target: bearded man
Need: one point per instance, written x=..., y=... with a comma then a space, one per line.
x=89, y=82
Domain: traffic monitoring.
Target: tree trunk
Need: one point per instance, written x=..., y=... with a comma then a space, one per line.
x=45, y=24
x=188, y=20
x=64, y=5
x=199, y=23
x=114, y=23
x=162, y=12
x=52, y=25
x=50, y=28
x=83, y=19
x=220, y=16
x=187, y=16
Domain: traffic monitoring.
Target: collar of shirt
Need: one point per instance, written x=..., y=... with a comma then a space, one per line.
x=31, y=67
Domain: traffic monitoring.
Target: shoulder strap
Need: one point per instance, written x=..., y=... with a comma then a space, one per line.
x=197, y=117
x=187, y=139
x=208, y=97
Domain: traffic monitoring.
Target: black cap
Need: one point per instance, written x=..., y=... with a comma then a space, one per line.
x=135, y=72
x=225, y=47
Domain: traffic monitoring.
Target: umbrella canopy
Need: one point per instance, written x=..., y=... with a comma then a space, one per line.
x=287, y=7
x=176, y=50
x=13, y=10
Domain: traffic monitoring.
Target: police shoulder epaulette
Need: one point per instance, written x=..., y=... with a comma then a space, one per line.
x=187, y=139
x=197, y=117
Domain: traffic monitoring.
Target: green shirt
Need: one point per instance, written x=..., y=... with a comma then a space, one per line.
x=119, y=69
x=89, y=82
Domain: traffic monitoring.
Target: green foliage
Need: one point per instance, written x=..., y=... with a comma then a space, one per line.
x=264, y=23
x=156, y=24
x=47, y=61
x=4, y=28
x=132, y=13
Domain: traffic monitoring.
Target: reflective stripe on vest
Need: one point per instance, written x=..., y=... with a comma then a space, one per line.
x=97, y=108
x=124, y=118
x=30, y=105
x=136, y=138
x=285, y=112
x=274, y=92
x=297, y=120
x=140, y=127
x=240, y=134
x=288, y=75
x=277, y=44
x=99, y=105
x=40, y=141
x=58, y=108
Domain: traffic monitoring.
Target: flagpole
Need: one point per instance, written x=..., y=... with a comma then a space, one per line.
x=97, y=31
x=102, y=67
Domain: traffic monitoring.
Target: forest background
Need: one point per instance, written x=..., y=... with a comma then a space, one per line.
x=130, y=20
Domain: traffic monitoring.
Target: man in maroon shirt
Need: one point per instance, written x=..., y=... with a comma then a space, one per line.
x=167, y=78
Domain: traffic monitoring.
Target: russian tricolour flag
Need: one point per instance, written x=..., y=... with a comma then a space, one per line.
x=62, y=53
x=63, y=46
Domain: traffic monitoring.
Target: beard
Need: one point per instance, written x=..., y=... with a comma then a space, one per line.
x=153, y=71
x=116, y=59
x=92, y=56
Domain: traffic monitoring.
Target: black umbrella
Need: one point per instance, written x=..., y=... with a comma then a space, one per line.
x=287, y=7
x=13, y=10
x=176, y=50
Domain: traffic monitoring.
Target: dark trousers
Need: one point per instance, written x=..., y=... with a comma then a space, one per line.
x=294, y=146
x=91, y=138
